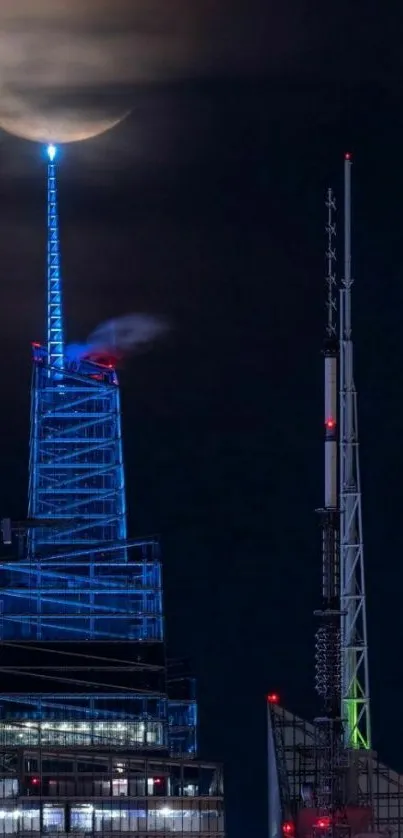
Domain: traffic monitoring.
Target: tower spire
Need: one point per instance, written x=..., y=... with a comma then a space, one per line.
x=328, y=724
x=55, y=338
x=331, y=259
x=355, y=679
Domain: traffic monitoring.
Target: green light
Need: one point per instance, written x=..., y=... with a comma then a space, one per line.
x=357, y=738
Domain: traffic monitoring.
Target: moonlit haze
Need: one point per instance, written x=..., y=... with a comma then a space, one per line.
x=69, y=69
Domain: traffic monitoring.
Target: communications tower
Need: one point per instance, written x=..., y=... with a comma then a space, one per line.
x=327, y=681
x=93, y=718
x=325, y=778
x=354, y=642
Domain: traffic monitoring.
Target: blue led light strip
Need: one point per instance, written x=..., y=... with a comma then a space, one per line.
x=55, y=340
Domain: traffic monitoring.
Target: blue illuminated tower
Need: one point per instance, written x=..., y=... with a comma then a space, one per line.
x=55, y=336
x=76, y=459
x=97, y=729
x=82, y=612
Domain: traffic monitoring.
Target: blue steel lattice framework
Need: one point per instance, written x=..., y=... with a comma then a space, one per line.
x=83, y=588
x=55, y=304
x=76, y=458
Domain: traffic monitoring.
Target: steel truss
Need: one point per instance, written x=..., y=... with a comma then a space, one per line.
x=294, y=774
x=76, y=458
x=354, y=641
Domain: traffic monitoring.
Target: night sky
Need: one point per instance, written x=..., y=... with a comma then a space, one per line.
x=206, y=206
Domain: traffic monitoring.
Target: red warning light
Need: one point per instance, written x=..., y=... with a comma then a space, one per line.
x=347, y=155
x=35, y=781
x=273, y=698
x=330, y=423
x=35, y=345
x=288, y=829
x=322, y=823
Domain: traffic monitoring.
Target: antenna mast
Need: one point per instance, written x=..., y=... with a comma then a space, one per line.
x=331, y=260
x=328, y=686
x=354, y=645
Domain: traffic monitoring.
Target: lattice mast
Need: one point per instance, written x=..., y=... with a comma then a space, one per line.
x=54, y=337
x=354, y=644
x=328, y=634
x=76, y=473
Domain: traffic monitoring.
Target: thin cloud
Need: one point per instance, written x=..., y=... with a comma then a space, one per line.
x=51, y=41
x=69, y=68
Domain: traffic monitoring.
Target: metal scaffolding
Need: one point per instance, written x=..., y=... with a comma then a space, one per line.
x=293, y=775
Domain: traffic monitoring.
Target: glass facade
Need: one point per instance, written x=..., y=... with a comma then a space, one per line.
x=88, y=792
x=138, y=816
x=83, y=657
x=72, y=733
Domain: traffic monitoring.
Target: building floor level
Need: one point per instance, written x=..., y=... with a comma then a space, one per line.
x=94, y=791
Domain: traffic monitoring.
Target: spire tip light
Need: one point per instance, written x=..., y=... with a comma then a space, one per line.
x=51, y=152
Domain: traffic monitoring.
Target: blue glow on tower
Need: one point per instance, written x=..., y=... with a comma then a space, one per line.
x=82, y=585
x=85, y=601
x=76, y=456
x=51, y=152
x=55, y=341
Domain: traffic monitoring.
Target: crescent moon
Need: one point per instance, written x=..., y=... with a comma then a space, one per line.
x=17, y=117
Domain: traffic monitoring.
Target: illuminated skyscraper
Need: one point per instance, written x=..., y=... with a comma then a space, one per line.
x=89, y=709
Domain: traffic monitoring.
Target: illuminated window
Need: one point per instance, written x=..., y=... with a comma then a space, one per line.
x=71, y=732
x=8, y=788
x=81, y=818
x=53, y=818
x=119, y=788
